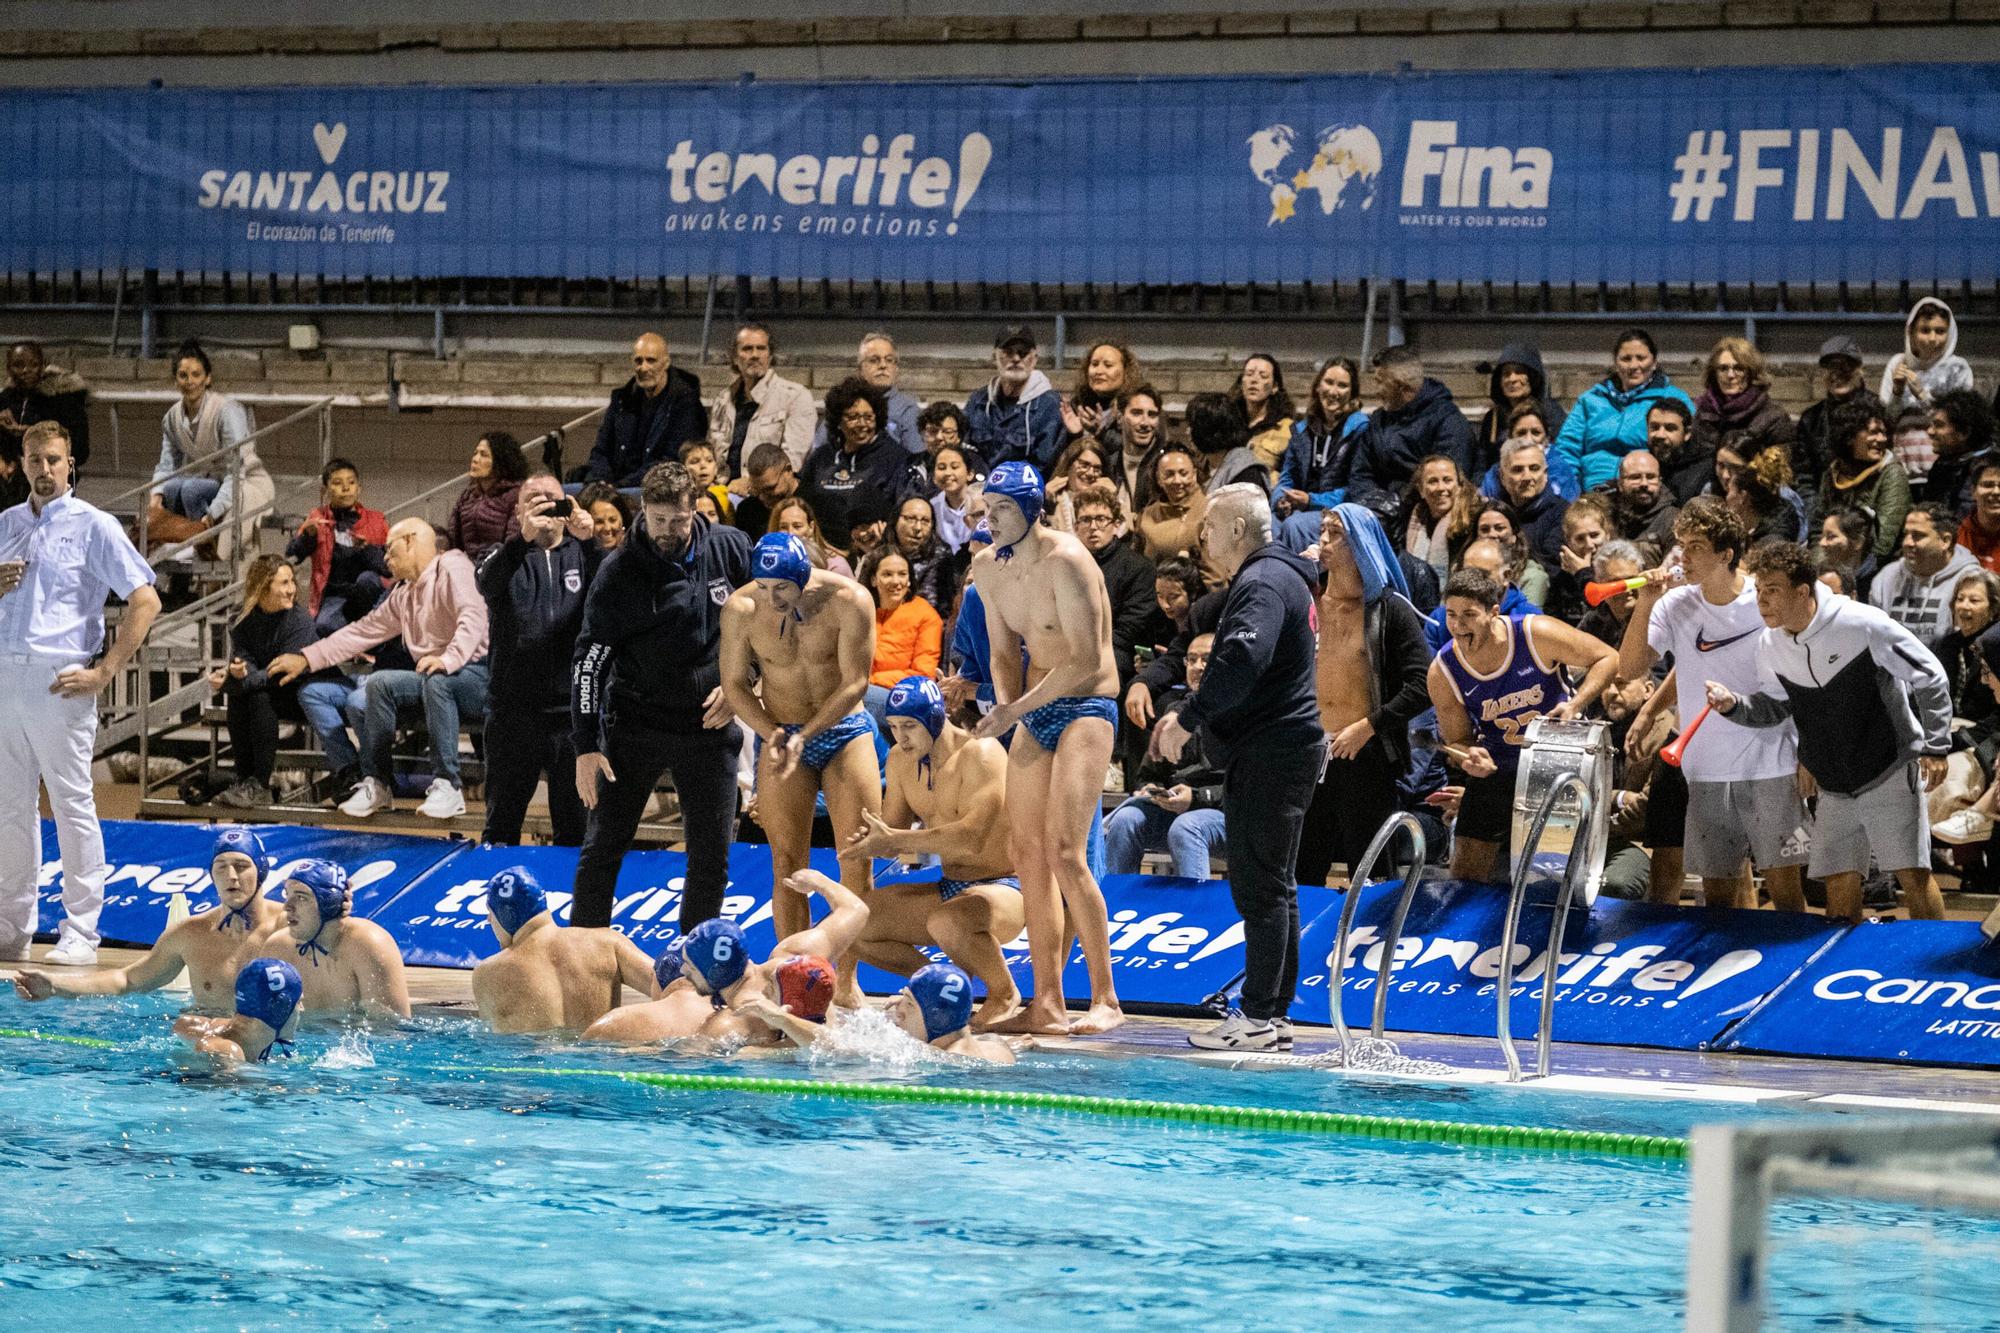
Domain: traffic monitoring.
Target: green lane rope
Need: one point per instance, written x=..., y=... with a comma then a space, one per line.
x=1405, y=1128
x=98, y=1042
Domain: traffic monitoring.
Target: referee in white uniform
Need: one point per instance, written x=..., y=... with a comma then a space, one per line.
x=59, y=558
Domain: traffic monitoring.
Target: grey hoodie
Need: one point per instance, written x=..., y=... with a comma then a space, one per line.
x=1949, y=371
x=1921, y=606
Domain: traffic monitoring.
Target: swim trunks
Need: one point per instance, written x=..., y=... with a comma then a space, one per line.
x=821, y=749
x=951, y=888
x=1047, y=723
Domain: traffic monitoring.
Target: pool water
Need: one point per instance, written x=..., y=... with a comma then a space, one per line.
x=384, y=1180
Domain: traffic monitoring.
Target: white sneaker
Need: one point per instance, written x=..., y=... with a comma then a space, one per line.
x=368, y=798
x=1238, y=1032
x=1281, y=1033
x=72, y=952
x=442, y=801
x=1967, y=826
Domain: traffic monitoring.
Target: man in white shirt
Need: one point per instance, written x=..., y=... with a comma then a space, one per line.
x=59, y=559
x=1743, y=782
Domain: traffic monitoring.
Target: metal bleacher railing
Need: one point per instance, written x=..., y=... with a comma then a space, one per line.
x=168, y=676
x=1395, y=304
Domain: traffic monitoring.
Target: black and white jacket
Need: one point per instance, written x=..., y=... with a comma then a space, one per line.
x=1866, y=694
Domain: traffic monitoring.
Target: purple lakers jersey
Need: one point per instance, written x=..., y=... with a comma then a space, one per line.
x=1503, y=704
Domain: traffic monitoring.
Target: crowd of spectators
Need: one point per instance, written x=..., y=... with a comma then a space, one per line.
x=1895, y=492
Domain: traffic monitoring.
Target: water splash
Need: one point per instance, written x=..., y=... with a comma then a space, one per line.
x=865, y=1037
x=350, y=1052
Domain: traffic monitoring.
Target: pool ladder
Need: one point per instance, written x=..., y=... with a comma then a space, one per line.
x=1413, y=872
x=1579, y=865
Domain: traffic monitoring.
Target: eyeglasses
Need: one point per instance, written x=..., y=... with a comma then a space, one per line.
x=1094, y=520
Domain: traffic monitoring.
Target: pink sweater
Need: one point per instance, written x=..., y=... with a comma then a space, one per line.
x=440, y=615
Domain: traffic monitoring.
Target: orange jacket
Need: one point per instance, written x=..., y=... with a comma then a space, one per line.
x=908, y=641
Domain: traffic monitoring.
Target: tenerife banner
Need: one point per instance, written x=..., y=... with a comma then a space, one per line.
x=1880, y=174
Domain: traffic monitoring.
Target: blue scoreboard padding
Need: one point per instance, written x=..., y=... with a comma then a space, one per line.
x=1631, y=974
x=149, y=863
x=1927, y=992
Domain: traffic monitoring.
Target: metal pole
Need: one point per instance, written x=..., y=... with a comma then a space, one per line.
x=149, y=293
x=437, y=332
x=1062, y=340
x=1397, y=335
x=117, y=310
x=707, y=321
x=1503, y=996
x=1368, y=323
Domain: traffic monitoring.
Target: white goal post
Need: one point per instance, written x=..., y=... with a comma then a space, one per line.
x=1737, y=1169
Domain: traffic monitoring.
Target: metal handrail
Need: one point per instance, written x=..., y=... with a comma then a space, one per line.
x=1552, y=960
x=1413, y=873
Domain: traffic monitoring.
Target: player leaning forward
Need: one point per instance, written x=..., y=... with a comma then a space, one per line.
x=1873, y=711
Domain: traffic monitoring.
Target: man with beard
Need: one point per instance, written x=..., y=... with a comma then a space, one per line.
x=1641, y=507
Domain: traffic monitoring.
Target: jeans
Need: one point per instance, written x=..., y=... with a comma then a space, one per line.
x=339, y=610
x=522, y=744
x=1139, y=826
x=445, y=697
x=1300, y=530
x=704, y=767
x=1264, y=799
x=189, y=497
x=330, y=706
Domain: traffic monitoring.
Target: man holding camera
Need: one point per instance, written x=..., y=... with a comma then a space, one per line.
x=534, y=584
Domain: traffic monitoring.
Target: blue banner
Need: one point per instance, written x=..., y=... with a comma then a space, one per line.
x=1885, y=173
x=150, y=863
x=1630, y=974
x=1927, y=992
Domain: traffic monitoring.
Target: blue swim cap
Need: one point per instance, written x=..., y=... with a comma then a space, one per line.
x=328, y=883
x=667, y=967
x=920, y=699
x=781, y=555
x=241, y=840
x=515, y=898
x=1020, y=483
x=268, y=990
x=716, y=948
x=944, y=996
x=981, y=534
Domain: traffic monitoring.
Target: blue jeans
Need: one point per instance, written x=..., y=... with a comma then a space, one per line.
x=189, y=497
x=1300, y=530
x=339, y=610
x=444, y=697
x=1139, y=826
x=330, y=706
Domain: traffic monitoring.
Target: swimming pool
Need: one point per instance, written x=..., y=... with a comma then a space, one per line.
x=390, y=1180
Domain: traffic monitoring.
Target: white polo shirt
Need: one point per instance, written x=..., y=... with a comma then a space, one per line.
x=1722, y=644
x=77, y=556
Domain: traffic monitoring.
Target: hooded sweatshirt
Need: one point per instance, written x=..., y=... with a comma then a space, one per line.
x=1866, y=696
x=1607, y=423
x=1028, y=428
x=1942, y=374
x=1493, y=429
x=1921, y=606
x=1258, y=693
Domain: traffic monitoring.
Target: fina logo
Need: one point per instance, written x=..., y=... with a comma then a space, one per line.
x=1344, y=166
x=359, y=192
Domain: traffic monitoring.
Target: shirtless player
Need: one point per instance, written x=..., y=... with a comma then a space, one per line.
x=797, y=646
x=1042, y=590
x=212, y=945
x=719, y=965
x=956, y=786
x=347, y=963
x=679, y=1011
x=265, y=1015
x=548, y=976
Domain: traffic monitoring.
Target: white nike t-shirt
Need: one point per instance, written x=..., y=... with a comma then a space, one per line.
x=1719, y=643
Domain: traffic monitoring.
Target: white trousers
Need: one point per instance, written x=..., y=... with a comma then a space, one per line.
x=47, y=738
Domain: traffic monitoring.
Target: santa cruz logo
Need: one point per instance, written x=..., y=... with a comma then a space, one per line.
x=371, y=191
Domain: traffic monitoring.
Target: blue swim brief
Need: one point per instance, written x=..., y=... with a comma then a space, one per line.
x=1047, y=723
x=821, y=749
x=951, y=888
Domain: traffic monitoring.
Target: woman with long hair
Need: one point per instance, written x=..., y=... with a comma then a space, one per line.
x=935, y=570
x=610, y=511
x=1862, y=475
x=909, y=632
x=1609, y=419
x=1085, y=462
x=1312, y=475
x=483, y=515
x=1736, y=399
x=1259, y=395
x=1109, y=371
x=794, y=514
x=1438, y=513
x=272, y=623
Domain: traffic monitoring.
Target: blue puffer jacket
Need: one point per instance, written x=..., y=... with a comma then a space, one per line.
x=1606, y=424
x=1317, y=465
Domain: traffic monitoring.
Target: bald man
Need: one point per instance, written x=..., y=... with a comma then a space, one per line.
x=649, y=417
x=436, y=609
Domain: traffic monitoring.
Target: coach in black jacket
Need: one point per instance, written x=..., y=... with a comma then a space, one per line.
x=646, y=696
x=650, y=417
x=534, y=584
x=1259, y=719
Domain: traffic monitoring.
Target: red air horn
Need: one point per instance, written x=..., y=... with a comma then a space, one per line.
x=1672, y=753
x=1597, y=593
